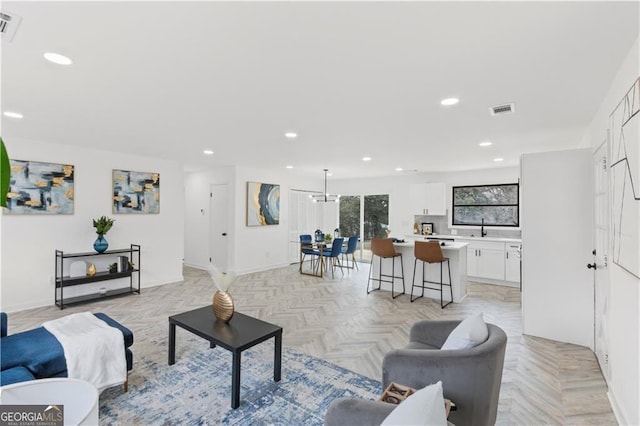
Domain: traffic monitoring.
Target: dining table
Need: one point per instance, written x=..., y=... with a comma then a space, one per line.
x=317, y=266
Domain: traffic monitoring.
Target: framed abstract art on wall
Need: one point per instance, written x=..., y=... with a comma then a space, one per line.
x=136, y=192
x=263, y=204
x=40, y=188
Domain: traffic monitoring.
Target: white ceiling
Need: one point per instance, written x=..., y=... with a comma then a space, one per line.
x=169, y=79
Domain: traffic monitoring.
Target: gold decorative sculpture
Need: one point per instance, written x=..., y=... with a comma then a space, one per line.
x=223, y=306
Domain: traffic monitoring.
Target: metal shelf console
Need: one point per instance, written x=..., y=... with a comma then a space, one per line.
x=62, y=281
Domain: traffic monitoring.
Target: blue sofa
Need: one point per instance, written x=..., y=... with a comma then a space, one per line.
x=37, y=354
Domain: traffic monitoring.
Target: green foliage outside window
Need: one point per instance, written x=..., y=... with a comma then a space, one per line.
x=498, y=205
x=349, y=215
x=376, y=216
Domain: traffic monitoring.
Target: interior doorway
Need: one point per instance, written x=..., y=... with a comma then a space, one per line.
x=601, y=205
x=219, y=227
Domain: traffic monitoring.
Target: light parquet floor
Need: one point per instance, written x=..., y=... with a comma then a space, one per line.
x=544, y=382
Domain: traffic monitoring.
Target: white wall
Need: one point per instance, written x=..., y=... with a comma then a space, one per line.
x=624, y=309
x=29, y=241
x=252, y=248
x=400, y=215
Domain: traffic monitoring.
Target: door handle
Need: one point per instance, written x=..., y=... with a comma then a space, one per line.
x=592, y=265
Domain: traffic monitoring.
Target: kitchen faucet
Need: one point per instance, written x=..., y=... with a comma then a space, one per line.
x=482, y=231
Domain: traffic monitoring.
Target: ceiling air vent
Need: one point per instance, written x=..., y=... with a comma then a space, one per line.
x=503, y=109
x=9, y=24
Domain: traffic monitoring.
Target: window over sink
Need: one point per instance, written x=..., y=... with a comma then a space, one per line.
x=488, y=205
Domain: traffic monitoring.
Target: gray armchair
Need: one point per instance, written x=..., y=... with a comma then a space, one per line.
x=470, y=377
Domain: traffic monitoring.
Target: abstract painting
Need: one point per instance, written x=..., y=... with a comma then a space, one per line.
x=40, y=188
x=624, y=127
x=263, y=204
x=136, y=192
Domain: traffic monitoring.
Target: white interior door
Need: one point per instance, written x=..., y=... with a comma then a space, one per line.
x=557, y=241
x=601, y=243
x=302, y=220
x=219, y=227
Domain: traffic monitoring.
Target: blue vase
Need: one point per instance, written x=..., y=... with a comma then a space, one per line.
x=101, y=244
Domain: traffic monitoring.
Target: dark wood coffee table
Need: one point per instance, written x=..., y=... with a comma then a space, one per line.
x=241, y=333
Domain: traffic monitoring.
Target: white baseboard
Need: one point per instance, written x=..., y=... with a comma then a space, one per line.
x=493, y=282
x=163, y=282
x=617, y=410
x=195, y=266
x=263, y=268
x=244, y=271
x=24, y=306
x=47, y=302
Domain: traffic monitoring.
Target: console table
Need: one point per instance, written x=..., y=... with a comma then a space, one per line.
x=63, y=280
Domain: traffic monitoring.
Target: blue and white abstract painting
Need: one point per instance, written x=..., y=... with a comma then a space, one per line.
x=263, y=204
x=40, y=188
x=136, y=192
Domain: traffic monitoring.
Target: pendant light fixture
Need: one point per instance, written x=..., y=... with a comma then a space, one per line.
x=326, y=197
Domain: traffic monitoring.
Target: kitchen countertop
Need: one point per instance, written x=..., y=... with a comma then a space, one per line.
x=463, y=237
x=450, y=245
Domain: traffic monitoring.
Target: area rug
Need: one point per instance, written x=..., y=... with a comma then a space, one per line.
x=196, y=390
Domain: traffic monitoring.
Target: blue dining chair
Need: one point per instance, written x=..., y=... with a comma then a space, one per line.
x=306, y=248
x=334, y=255
x=352, y=246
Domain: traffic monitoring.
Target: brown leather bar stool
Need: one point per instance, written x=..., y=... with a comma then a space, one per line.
x=383, y=248
x=430, y=252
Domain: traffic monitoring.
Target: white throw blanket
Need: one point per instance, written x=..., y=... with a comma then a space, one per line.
x=93, y=349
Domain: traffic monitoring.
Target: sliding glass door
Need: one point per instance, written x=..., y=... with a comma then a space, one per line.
x=350, y=215
x=366, y=216
x=376, y=221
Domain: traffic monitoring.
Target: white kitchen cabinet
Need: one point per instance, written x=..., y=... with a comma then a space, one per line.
x=512, y=263
x=486, y=259
x=428, y=198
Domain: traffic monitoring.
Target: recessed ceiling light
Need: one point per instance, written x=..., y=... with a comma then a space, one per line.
x=485, y=143
x=497, y=160
x=12, y=114
x=291, y=135
x=289, y=167
x=208, y=152
x=366, y=158
x=449, y=101
x=399, y=169
x=57, y=58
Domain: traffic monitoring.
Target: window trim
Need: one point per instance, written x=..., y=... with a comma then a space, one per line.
x=453, y=206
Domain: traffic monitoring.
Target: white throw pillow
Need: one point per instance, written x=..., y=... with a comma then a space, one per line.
x=425, y=407
x=469, y=333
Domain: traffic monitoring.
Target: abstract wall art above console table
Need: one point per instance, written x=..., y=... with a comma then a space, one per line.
x=136, y=192
x=40, y=188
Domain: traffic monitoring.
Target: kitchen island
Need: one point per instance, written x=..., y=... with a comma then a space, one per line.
x=455, y=251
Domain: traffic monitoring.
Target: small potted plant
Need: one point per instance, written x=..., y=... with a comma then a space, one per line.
x=102, y=225
x=113, y=268
x=328, y=237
